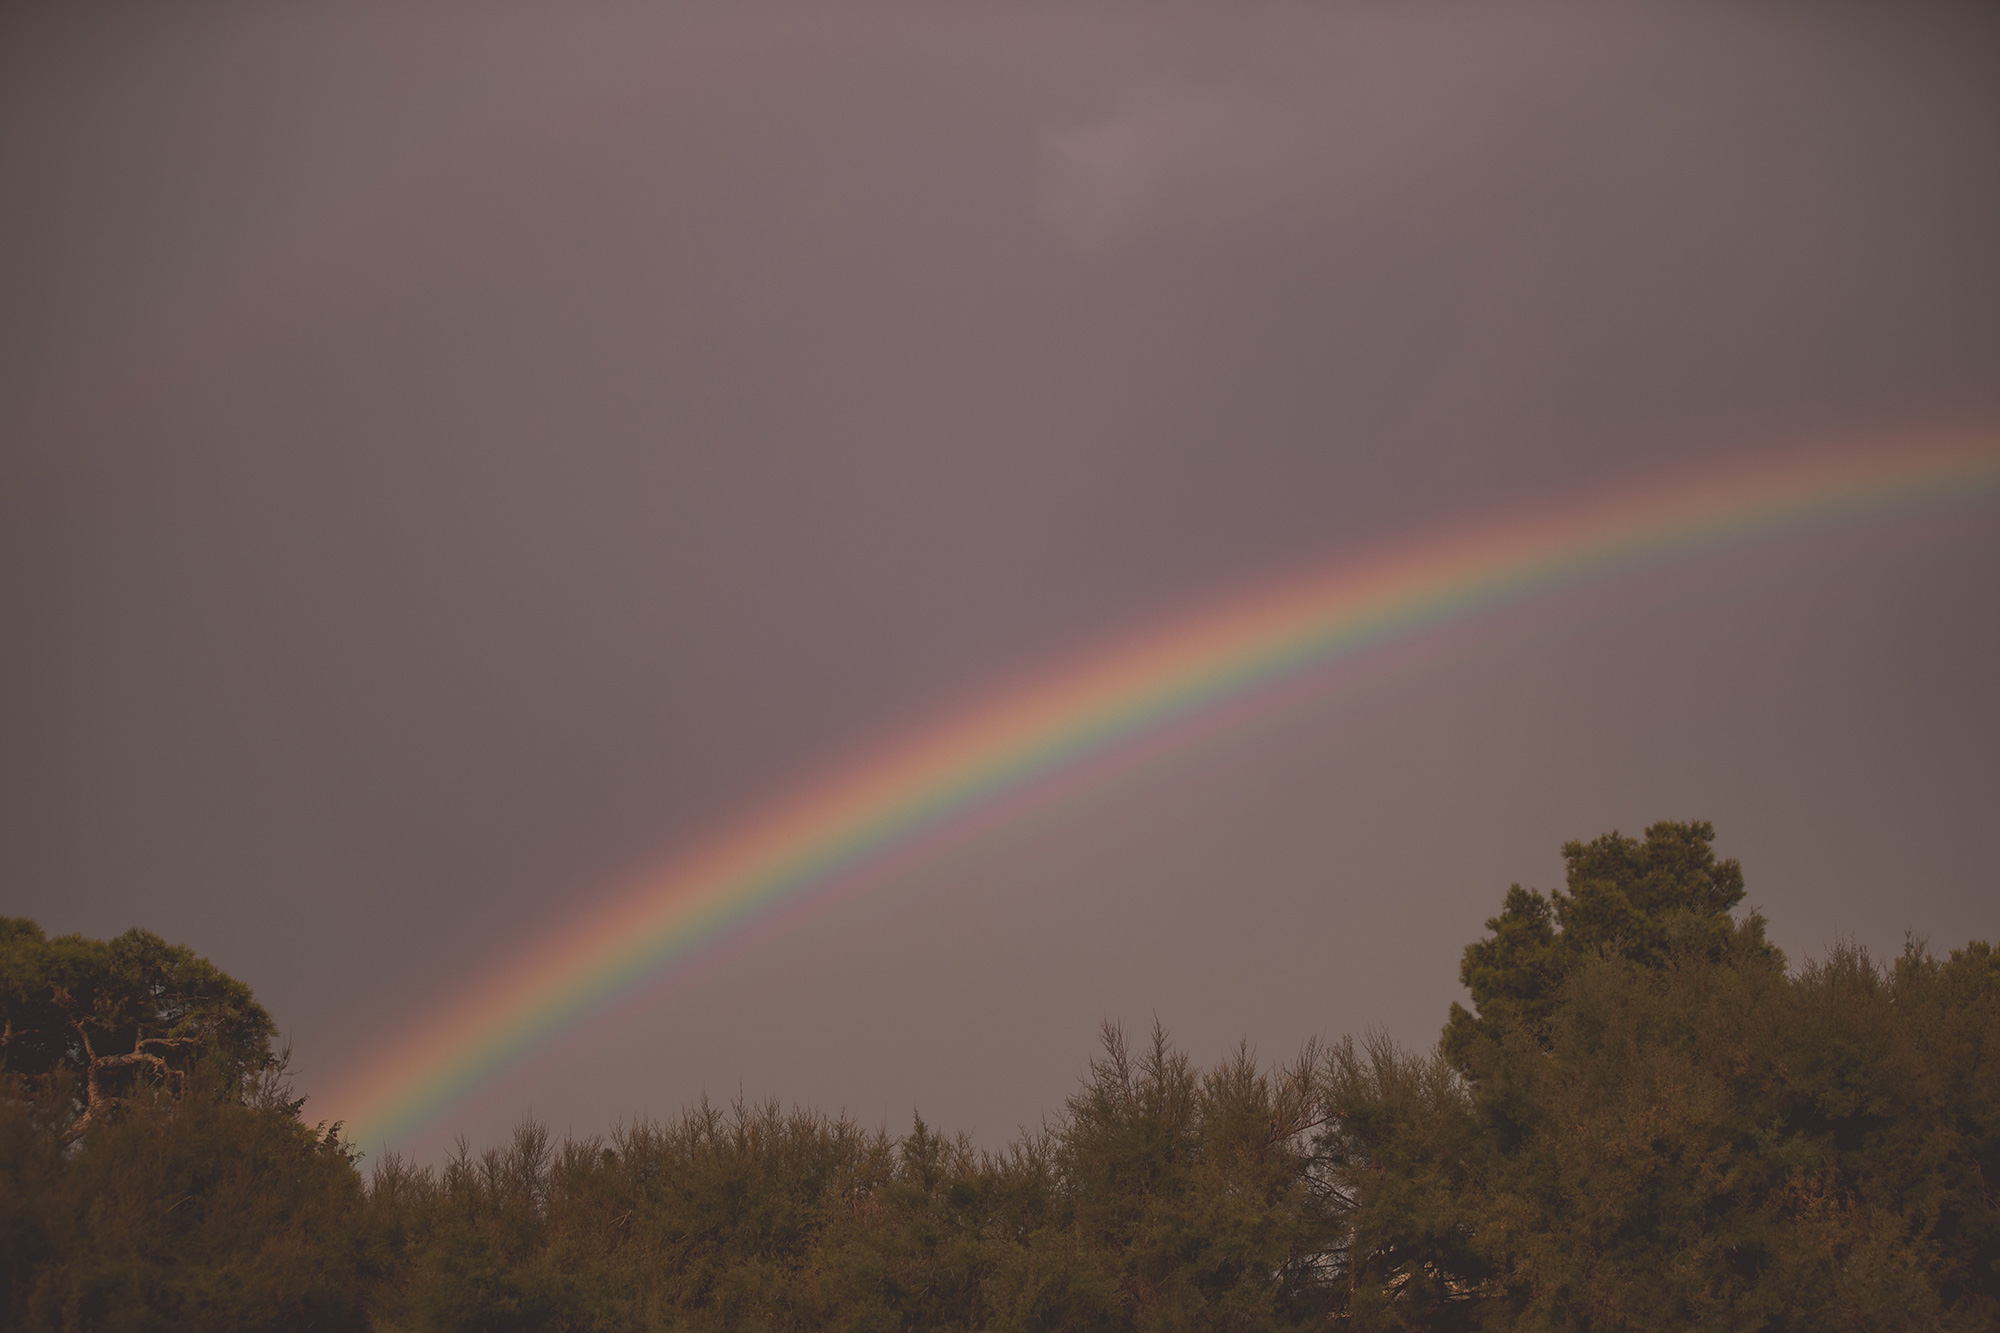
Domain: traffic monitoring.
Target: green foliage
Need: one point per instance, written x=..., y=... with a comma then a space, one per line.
x=750, y=1218
x=153, y=1170
x=1654, y=1125
x=205, y=1212
x=1188, y=1199
x=120, y=1015
x=1639, y=901
x=1645, y=1121
x=1161, y=1199
x=1402, y=1148
x=1711, y=1143
x=906, y=1245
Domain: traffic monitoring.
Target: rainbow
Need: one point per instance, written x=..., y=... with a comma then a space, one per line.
x=1144, y=694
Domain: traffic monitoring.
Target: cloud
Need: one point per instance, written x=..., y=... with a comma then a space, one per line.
x=1329, y=112
x=1189, y=157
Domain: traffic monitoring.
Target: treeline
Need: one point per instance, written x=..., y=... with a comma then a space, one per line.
x=1645, y=1119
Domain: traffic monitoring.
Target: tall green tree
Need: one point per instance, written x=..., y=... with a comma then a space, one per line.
x=1647, y=1122
x=154, y=1173
x=1640, y=901
x=119, y=1015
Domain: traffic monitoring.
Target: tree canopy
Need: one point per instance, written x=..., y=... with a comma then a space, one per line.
x=121, y=1014
x=1645, y=1120
x=1645, y=902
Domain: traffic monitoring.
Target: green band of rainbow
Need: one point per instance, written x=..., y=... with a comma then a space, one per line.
x=775, y=863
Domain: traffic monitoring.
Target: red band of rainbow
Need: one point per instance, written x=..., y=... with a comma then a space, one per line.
x=1134, y=696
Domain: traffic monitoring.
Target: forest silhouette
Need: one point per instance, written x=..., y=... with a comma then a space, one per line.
x=1647, y=1118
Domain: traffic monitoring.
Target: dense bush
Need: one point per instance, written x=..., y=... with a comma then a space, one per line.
x=205, y=1211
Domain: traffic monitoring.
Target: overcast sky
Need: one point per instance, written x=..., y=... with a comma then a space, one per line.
x=454, y=453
